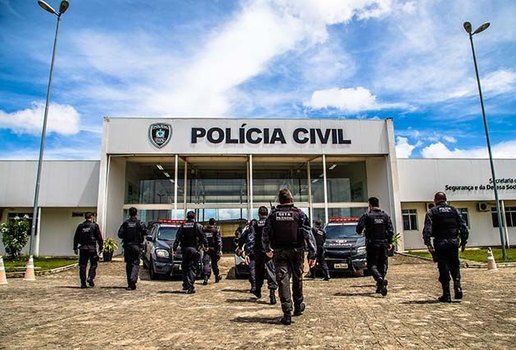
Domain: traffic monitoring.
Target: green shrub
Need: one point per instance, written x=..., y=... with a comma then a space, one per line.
x=15, y=236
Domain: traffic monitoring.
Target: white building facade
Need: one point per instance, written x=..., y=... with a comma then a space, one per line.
x=227, y=168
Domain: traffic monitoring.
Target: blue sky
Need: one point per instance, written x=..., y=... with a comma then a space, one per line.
x=407, y=60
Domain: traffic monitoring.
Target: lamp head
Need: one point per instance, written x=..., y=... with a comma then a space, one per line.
x=467, y=27
x=47, y=7
x=63, y=6
x=482, y=28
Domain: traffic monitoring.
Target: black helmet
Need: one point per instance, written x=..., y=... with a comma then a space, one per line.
x=190, y=215
x=317, y=223
x=212, y=221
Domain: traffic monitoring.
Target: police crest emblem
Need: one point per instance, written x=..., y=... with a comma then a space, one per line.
x=160, y=134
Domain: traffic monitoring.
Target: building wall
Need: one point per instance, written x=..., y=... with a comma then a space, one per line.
x=481, y=230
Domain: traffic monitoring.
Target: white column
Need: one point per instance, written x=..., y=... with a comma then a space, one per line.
x=326, y=218
x=38, y=233
x=176, y=175
x=310, y=208
x=250, y=188
x=504, y=223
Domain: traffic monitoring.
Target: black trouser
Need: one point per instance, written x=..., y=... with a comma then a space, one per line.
x=289, y=264
x=264, y=267
x=86, y=255
x=447, y=254
x=377, y=260
x=189, y=265
x=210, y=260
x=321, y=261
x=132, y=254
x=252, y=271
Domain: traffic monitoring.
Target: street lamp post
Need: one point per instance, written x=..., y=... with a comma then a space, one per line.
x=62, y=9
x=468, y=28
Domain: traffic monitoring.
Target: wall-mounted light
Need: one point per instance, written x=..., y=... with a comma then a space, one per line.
x=166, y=174
x=159, y=166
x=333, y=166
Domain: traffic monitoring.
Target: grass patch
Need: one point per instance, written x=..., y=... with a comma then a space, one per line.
x=40, y=263
x=475, y=254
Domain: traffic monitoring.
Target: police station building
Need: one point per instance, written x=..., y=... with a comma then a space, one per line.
x=227, y=168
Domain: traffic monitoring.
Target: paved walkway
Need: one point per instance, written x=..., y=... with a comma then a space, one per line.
x=53, y=312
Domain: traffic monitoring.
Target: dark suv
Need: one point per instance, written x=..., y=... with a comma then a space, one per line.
x=345, y=249
x=157, y=251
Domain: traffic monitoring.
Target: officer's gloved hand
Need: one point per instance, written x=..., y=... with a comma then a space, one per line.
x=463, y=247
x=430, y=248
x=76, y=251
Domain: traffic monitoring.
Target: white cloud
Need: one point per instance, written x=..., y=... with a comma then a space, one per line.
x=403, y=148
x=495, y=83
x=62, y=119
x=348, y=99
x=500, y=150
x=205, y=80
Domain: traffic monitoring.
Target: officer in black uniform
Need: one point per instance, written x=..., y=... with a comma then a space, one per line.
x=264, y=266
x=192, y=239
x=245, y=250
x=86, y=239
x=284, y=235
x=320, y=237
x=379, y=235
x=132, y=232
x=211, y=257
x=445, y=224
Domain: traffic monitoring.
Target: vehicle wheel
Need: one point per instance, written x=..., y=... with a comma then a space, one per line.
x=153, y=275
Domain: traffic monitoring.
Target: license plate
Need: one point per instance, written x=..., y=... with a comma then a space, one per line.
x=340, y=266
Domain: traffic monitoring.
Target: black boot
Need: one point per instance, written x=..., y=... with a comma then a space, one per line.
x=379, y=284
x=383, y=290
x=205, y=282
x=299, y=309
x=446, y=297
x=257, y=293
x=458, y=292
x=286, y=319
x=326, y=275
x=272, y=297
x=218, y=278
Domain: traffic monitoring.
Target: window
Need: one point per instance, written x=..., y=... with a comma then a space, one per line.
x=510, y=216
x=465, y=215
x=409, y=219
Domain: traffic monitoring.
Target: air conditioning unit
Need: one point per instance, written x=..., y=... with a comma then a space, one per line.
x=483, y=206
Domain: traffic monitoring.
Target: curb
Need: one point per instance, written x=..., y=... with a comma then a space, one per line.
x=463, y=263
x=44, y=272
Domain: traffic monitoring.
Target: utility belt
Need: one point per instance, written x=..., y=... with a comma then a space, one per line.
x=447, y=235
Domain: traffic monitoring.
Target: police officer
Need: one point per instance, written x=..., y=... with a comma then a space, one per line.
x=132, y=232
x=320, y=237
x=284, y=235
x=191, y=237
x=213, y=252
x=445, y=224
x=379, y=235
x=244, y=249
x=85, y=241
x=264, y=266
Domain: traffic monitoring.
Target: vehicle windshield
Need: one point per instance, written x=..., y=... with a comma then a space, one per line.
x=340, y=231
x=167, y=233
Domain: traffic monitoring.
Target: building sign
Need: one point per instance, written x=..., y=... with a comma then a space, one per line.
x=268, y=135
x=506, y=183
x=160, y=134
x=227, y=136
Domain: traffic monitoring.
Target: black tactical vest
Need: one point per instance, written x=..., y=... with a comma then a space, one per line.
x=376, y=226
x=445, y=222
x=258, y=229
x=319, y=236
x=287, y=233
x=133, y=232
x=190, y=239
x=211, y=235
x=87, y=238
